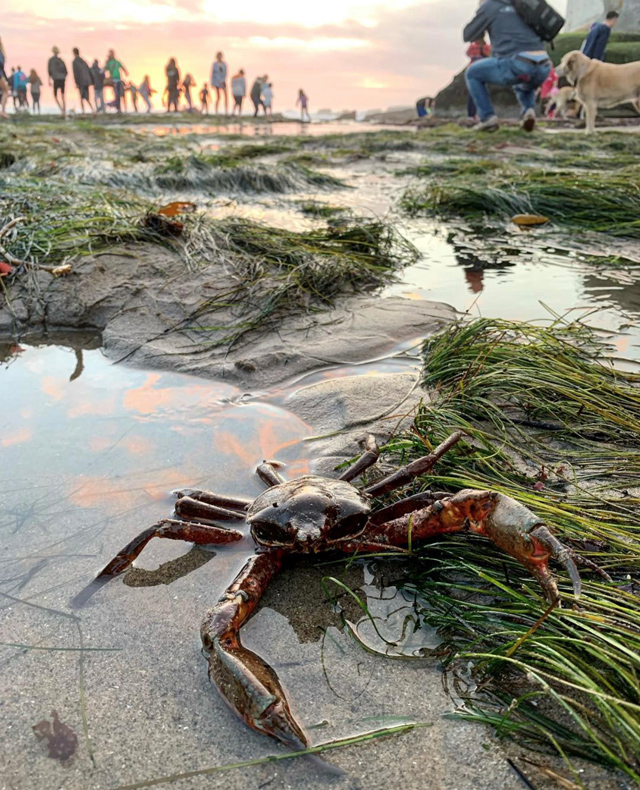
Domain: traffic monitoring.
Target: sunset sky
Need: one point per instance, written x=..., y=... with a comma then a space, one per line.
x=347, y=54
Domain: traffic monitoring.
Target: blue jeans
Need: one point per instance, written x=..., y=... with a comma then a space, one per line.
x=97, y=92
x=525, y=76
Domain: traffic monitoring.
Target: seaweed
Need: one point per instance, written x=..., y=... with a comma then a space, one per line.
x=552, y=424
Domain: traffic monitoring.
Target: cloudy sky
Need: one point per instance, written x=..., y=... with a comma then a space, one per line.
x=344, y=53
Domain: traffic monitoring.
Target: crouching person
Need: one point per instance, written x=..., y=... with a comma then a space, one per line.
x=519, y=58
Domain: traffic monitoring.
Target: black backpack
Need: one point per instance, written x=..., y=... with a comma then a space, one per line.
x=540, y=17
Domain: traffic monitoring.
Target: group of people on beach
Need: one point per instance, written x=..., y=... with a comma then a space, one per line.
x=92, y=80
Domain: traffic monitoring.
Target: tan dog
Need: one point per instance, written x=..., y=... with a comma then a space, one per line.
x=600, y=84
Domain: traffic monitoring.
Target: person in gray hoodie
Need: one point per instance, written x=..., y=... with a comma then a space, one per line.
x=519, y=58
x=83, y=78
x=239, y=91
x=57, y=77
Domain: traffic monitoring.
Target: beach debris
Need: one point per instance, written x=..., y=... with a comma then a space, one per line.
x=529, y=220
x=61, y=271
x=6, y=269
x=61, y=739
x=10, y=259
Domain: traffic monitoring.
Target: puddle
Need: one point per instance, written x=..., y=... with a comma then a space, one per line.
x=526, y=284
x=91, y=453
x=248, y=129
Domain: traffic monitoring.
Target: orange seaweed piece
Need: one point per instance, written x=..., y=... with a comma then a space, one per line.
x=177, y=207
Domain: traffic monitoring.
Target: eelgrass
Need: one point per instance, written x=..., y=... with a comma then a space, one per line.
x=318, y=210
x=557, y=428
x=278, y=272
x=63, y=224
x=602, y=202
x=219, y=174
x=265, y=273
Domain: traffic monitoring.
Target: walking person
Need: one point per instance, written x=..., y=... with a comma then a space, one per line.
x=57, y=70
x=36, y=85
x=172, y=90
x=519, y=59
x=133, y=93
x=219, y=81
x=187, y=83
x=267, y=98
x=303, y=101
x=21, y=81
x=239, y=91
x=4, y=84
x=205, y=95
x=256, y=94
x=83, y=79
x=116, y=70
x=97, y=77
x=146, y=91
x=477, y=50
x=12, y=87
x=596, y=42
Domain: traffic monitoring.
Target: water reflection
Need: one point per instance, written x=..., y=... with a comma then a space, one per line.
x=268, y=128
x=84, y=444
x=521, y=278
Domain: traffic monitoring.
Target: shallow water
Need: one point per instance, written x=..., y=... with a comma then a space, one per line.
x=91, y=453
x=249, y=129
x=531, y=285
x=513, y=274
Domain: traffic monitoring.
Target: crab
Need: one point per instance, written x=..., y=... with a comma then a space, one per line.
x=313, y=514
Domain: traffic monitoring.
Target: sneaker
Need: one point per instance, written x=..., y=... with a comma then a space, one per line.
x=490, y=125
x=529, y=120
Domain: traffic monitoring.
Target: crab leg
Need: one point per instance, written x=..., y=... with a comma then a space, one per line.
x=268, y=473
x=246, y=682
x=197, y=510
x=510, y=525
x=408, y=505
x=167, y=528
x=220, y=500
x=367, y=459
x=416, y=468
x=174, y=530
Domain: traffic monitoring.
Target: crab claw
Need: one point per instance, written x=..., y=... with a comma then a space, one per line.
x=253, y=691
x=546, y=542
x=523, y=535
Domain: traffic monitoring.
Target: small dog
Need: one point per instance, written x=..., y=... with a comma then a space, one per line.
x=563, y=103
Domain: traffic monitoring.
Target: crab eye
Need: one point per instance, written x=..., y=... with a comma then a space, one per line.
x=272, y=534
x=348, y=527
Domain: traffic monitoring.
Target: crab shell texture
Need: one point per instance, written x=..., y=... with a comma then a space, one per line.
x=309, y=514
